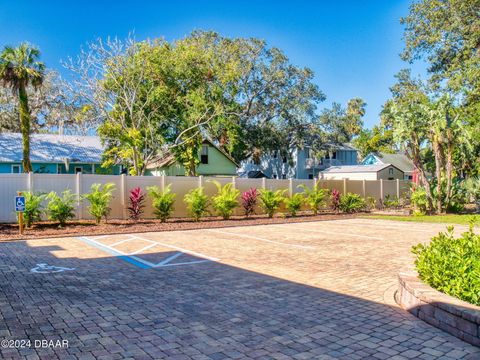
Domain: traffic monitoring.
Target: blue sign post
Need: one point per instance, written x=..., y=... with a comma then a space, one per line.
x=19, y=209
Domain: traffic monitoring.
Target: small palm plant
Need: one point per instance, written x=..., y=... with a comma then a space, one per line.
x=99, y=198
x=197, y=203
x=33, y=207
x=162, y=201
x=226, y=199
x=314, y=197
x=271, y=200
x=294, y=203
x=61, y=208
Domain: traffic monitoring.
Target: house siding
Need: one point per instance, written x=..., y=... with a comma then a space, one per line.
x=52, y=168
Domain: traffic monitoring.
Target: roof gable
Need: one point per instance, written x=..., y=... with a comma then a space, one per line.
x=358, y=168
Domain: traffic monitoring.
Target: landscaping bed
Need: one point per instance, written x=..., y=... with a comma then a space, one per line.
x=88, y=227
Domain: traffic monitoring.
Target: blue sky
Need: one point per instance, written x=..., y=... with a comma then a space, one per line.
x=352, y=45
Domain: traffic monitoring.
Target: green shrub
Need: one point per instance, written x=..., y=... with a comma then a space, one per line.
x=33, y=207
x=226, y=199
x=294, y=203
x=270, y=201
x=391, y=202
x=314, y=197
x=351, y=203
x=61, y=208
x=162, y=201
x=197, y=203
x=370, y=203
x=419, y=201
x=451, y=265
x=472, y=188
x=99, y=198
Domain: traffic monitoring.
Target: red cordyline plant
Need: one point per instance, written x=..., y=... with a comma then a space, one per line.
x=335, y=200
x=249, y=201
x=136, y=200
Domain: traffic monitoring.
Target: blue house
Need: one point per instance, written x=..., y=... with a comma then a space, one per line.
x=54, y=154
x=300, y=164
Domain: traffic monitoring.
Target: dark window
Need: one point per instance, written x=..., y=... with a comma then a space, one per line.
x=284, y=176
x=390, y=171
x=284, y=159
x=410, y=177
x=275, y=154
x=274, y=176
x=334, y=155
x=204, y=155
x=15, y=169
x=310, y=176
x=391, y=178
x=78, y=170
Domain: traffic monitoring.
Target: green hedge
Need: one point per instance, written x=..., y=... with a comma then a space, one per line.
x=451, y=265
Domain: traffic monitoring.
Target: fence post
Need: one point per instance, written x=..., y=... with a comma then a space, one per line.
x=234, y=183
x=381, y=191
x=364, y=188
x=30, y=181
x=78, y=190
x=398, y=189
x=200, y=181
x=344, y=186
x=263, y=183
x=123, y=189
x=290, y=187
x=162, y=183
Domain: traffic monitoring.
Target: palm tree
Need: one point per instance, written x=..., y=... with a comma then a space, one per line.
x=19, y=68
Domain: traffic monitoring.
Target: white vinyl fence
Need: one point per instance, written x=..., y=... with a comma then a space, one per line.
x=80, y=184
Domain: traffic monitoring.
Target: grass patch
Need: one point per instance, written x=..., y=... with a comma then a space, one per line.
x=462, y=219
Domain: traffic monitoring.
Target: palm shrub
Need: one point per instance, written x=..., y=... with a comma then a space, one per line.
x=226, y=199
x=294, y=203
x=162, y=201
x=314, y=197
x=271, y=200
x=61, y=208
x=197, y=203
x=370, y=203
x=99, y=198
x=33, y=207
x=335, y=200
x=472, y=188
x=351, y=203
x=451, y=264
x=419, y=201
x=249, y=201
x=136, y=203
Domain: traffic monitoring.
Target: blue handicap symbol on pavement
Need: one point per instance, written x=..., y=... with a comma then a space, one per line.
x=19, y=203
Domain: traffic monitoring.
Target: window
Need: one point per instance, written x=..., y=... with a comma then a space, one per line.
x=78, y=169
x=274, y=176
x=275, y=154
x=410, y=177
x=390, y=171
x=204, y=155
x=310, y=176
x=284, y=159
x=284, y=176
x=391, y=178
x=334, y=155
x=16, y=169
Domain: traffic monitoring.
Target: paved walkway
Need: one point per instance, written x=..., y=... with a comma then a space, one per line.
x=319, y=290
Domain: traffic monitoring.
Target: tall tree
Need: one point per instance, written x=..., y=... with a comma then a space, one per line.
x=19, y=68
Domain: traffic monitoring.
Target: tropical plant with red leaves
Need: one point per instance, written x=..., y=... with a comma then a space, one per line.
x=335, y=200
x=136, y=201
x=249, y=201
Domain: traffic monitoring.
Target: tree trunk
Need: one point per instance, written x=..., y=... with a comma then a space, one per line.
x=24, y=113
x=449, y=169
x=438, y=173
x=414, y=155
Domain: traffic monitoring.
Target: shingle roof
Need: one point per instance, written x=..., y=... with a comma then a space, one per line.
x=355, y=168
x=51, y=148
x=401, y=161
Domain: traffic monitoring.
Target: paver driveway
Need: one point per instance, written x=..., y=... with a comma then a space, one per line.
x=319, y=290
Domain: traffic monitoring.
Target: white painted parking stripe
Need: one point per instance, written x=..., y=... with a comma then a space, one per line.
x=328, y=232
x=170, y=258
x=120, y=242
x=143, y=249
x=186, y=251
x=261, y=239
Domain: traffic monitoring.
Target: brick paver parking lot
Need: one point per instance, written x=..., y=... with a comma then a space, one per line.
x=319, y=290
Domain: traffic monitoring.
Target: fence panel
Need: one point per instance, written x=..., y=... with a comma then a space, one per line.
x=9, y=185
x=180, y=186
x=143, y=182
x=118, y=209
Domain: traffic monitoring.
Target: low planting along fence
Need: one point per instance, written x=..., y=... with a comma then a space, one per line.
x=80, y=184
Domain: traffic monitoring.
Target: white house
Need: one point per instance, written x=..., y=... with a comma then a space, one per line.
x=363, y=172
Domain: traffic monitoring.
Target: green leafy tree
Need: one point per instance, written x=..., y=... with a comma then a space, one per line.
x=163, y=201
x=378, y=139
x=226, y=199
x=271, y=200
x=197, y=203
x=99, y=198
x=61, y=208
x=19, y=68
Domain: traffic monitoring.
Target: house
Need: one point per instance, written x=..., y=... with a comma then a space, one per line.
x=213, y=162
x=54, y=154
x=401, y=161
x=363, y=172
x=300, y=164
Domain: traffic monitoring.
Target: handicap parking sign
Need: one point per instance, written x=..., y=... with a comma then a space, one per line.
x=19, y=203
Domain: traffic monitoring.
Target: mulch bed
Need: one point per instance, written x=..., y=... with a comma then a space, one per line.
x=46, y=229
